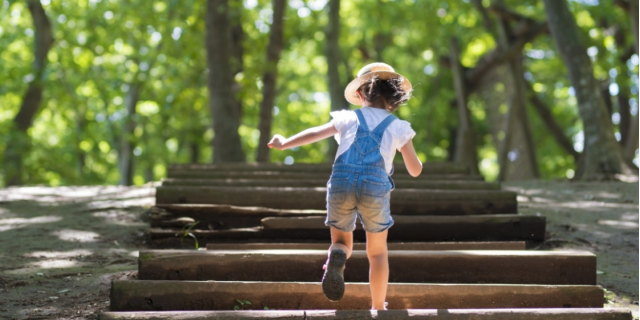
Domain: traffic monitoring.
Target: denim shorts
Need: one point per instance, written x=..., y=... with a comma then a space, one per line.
x=365, y=196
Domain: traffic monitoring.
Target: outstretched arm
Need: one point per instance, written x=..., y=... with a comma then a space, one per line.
x=310, y=135
x=411, y=160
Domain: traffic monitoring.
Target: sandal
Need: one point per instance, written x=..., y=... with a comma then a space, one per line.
x=333, y=279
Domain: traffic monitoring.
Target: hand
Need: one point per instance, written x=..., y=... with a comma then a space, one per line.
x=277, y=142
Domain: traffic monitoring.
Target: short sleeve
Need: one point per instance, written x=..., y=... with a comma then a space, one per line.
x=341, y=119
x=404, y=133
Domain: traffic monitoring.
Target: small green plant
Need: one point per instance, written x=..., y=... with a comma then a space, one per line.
x=241, y=305
x=609, y=296
x=186, y=232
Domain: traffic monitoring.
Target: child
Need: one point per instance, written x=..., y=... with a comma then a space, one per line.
x=360, y=183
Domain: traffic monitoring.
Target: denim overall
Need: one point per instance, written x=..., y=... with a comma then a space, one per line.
x=359, y=184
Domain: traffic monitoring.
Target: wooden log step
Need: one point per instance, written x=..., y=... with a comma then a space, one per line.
x=400, y=184
x=392, y=246
x=203, y=174
x=127, y=295
x=216, y=217
x=481, y=266
x=416, y=314
x=502, y=227
x=429, y=167
x=403, y=201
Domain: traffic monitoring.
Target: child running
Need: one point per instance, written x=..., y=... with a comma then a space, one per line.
x=360, y=183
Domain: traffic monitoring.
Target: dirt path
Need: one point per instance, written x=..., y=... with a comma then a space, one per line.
x=61, y=247
x=600, y=217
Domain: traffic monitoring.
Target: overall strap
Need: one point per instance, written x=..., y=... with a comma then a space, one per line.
x=363, y=123
x=379, y=130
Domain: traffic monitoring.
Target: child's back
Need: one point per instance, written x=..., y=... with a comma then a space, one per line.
x=360, y=183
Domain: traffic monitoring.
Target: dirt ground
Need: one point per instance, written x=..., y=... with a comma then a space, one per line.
x=61, y=247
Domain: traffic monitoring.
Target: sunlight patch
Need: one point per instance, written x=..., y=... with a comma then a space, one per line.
x=76, y=235
x=15, y=223
x=619, y=224
x=54, y=264
x=58, y=254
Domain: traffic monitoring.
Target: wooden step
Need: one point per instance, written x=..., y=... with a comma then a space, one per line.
x=499, y=227
x=213, y=216
x=434, y=167
x=220, y=217
x=403, y=201
x=204, y=174
x=400, y=184
x=482, y=266
x=416, y=314
x=391, y=246
x=136, y=295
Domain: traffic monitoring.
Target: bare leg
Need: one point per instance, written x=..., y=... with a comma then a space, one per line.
x=341, y=240
x=379, y=268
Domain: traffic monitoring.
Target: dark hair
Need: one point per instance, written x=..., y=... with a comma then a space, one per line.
x=387, y=91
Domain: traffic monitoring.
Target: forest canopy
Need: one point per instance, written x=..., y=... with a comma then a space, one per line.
x=125, y=84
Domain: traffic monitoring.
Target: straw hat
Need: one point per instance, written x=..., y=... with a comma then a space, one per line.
x=380, y=70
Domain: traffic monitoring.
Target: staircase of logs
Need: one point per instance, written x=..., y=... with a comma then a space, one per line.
x=457, y=251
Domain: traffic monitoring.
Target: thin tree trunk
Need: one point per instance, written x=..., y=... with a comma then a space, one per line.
x=269, y=79
x=602, y=155
x=237, y=53
x=466, y=152
x=148, y=173
x=625, y=115
x=127, y=140
x=554, y=128
x=486, y=19
x=632, y=143
x=194, y=151
x=632, y=134
x=19, y=143
x=332, y=51
x=227, y=146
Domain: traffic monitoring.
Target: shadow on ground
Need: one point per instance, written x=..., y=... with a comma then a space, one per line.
x=61, y=247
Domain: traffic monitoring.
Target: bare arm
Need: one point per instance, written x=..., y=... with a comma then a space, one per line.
x=308, y=136
x=414, y=166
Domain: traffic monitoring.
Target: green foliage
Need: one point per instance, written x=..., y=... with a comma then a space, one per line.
x=242, y=303
x=186, y=232
x=104, y=48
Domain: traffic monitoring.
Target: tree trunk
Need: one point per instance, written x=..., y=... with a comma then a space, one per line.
x=517, y=155
x=602, y=155
x=606, y=96
x=194, y=151
x=237, y=53
x=494, y=100
x=19, y=143
x=269, y=79
x=625, y=114
x=465, y=152
x=227, y=146
x=632, y=135
x=554, y=128
x=127, y=142
x=332, y=51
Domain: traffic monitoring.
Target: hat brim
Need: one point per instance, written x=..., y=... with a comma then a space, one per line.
x=350, y=92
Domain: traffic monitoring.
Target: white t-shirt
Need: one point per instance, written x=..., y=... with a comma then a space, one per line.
x=397, y=134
